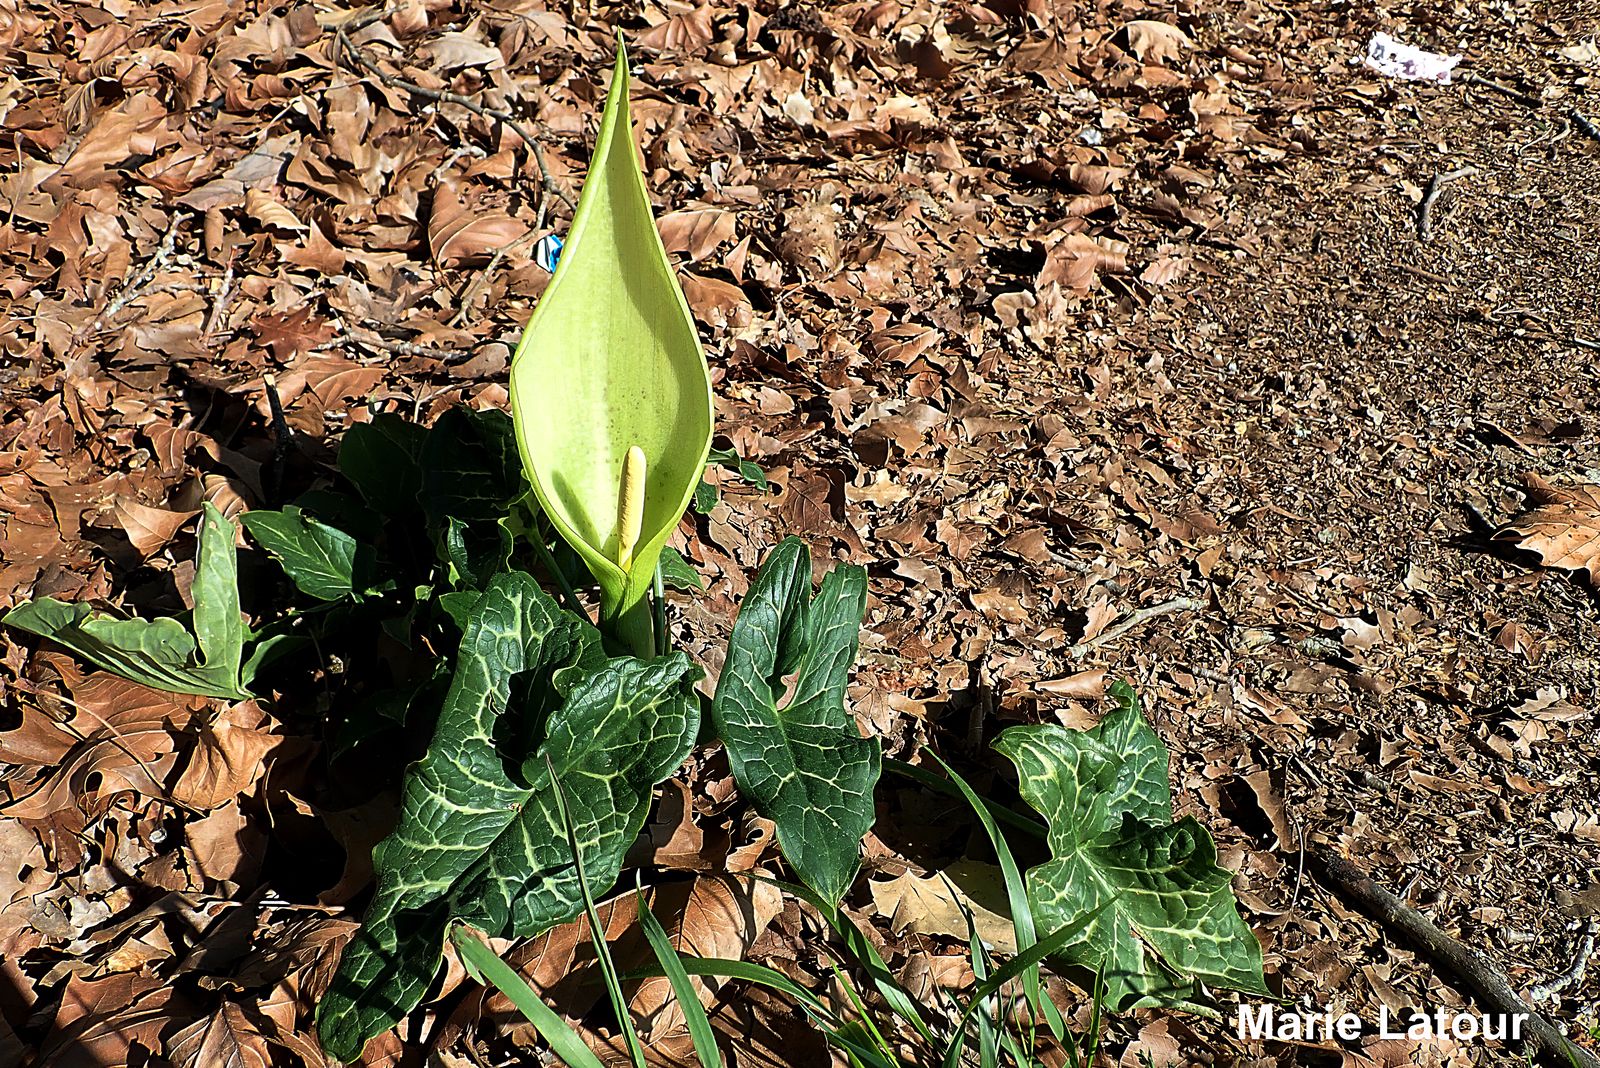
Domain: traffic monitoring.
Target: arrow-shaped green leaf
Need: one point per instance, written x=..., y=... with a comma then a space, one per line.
x=1105, y=795
x=804, y=766
x=161, y=652
x=478, y=838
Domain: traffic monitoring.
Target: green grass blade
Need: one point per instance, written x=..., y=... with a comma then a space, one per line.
x=1013, y=968
x=608, y=968
x=924, y=777
x=988, y=1037
x=481, y=963
x=825, y=1018
x=694, y=1013
x=861, y=1010
x=1017, y=898
x=864, y=953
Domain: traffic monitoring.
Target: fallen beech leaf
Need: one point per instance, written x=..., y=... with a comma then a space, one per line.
x=1074, y=260
x=696, y=233
x=1563, y=526
x=268, y=212
x=460, y=233
x=148, y=528
x=1156, y=42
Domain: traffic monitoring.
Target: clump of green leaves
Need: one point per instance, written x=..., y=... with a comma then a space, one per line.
x=439, y=545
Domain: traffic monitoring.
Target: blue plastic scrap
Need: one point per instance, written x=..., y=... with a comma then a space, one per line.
x=547, y=253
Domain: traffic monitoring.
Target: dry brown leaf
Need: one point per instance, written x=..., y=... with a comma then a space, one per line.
x=148, y=529
x=719, y=916
x=268, y=212
x=226, y=1040
x=228, y=758
x=1563, y=526
x=929, y=904
x=696, y=233
x=1156, y=42
x=461, y=233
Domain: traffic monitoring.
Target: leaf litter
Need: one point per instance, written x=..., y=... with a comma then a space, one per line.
x=1048, y=315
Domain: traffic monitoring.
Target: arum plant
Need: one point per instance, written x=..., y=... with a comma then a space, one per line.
x=610, y=392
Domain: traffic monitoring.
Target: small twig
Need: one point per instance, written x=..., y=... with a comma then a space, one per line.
x=128, y=293
x=481, y=279
x=535, y=149
x=1435, y=187
x=398, y=348
x=1573, y=975
x=1142, y=615
x=1582, y=344
x=1515, y=94
x=219, y=310
x=1482, y=977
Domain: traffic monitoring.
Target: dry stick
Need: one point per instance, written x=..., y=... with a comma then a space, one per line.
x=1573, y=975
x=481, y=279
x=1515, y=94
x=1165, y=608
x=219, y=310
x=444, y=96
x=1435, y=187
x=129, y=292
x=1440, y=948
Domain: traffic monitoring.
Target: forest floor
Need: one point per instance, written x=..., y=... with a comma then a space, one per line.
x=1107, y=337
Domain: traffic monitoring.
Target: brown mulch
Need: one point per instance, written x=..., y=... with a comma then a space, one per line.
x=1048, y=314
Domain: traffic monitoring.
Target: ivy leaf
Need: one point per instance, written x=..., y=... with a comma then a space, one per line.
x=804, y=766
x=320, y=560
x=478, y=838
x=1105, y=796
x=162, y=653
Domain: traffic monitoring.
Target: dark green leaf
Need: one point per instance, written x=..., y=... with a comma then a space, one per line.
x=746, y=469
x=471, y=470
x=382, y=459
x=318, y=559
x=161, y=652
x=705, y=497
x=1105, y=796
x=804, y=766
x=479, y=837
x=678, y=572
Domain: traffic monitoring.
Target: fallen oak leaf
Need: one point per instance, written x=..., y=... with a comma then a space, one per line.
x=1562, y=526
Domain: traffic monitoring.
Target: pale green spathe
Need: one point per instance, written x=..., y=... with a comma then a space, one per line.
x=611, y=360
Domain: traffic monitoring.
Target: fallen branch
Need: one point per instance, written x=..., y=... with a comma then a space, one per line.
x=1435, y=187
x=1142, y=615
x=1572, y=976
x=1482, y=977
x=444, y=96
x=130, y=292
